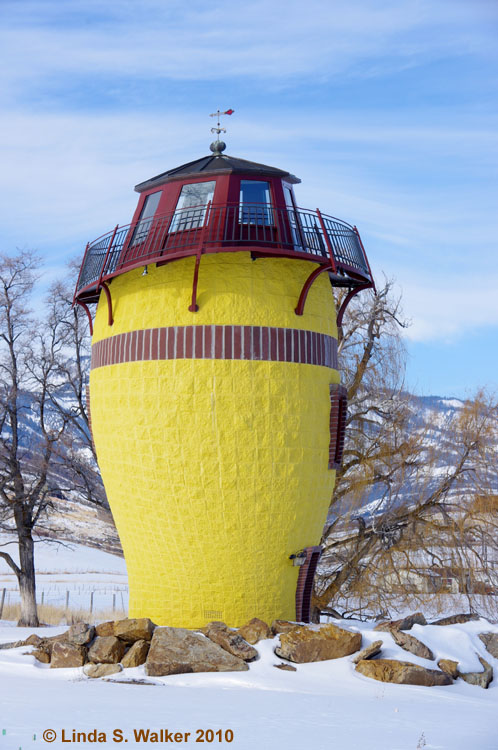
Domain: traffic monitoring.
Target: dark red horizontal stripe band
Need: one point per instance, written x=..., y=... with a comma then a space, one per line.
x=217, y=342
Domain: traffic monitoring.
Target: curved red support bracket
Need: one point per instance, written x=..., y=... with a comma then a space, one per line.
x=347, y=300
x=107, y=291
x=307, y=286
x=194, y=306
x=89, y=315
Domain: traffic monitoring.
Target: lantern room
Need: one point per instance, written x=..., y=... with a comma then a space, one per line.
x=221, y=203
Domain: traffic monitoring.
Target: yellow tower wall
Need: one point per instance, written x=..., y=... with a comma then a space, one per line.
x=216, y=469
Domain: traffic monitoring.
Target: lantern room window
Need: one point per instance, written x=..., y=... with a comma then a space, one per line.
x=146, y=217
x=255, y=203
x=190, y=212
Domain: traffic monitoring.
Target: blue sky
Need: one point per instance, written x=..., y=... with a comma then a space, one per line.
x=387, y=111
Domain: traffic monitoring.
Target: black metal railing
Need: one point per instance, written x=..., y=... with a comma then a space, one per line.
x=213, y=228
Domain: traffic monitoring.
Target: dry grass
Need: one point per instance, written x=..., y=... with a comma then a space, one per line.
x=50, y=615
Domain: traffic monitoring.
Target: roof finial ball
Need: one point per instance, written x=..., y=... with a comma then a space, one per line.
x=217, y=146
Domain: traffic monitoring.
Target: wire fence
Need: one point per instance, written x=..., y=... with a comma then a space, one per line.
x=91, y=599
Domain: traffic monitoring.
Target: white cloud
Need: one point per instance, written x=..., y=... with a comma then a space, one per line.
x=449, y=309
x=67, y=175
x=280, y=39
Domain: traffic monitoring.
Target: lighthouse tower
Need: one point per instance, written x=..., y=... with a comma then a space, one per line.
x=216, y=405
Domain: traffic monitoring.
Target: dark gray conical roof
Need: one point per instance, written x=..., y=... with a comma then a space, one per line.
x=216, y=164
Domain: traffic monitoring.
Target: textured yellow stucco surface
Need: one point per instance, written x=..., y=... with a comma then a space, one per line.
x=216, y=470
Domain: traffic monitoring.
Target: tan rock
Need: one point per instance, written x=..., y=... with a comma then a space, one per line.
x=178, y=651
x=44, y=645
x=328, y=642
x=284, y=626
x=229, y=640
x=456, y=619
x=402, y=672
x=101, y=670
x=136, y=655
x=406, y=623
x=80, y=634
x=481, y=679
x=215, y=624
x=12, y=644
x=41, y=656
x=255, y=630
x=33, y=640
x=140, y=629
x=490, y=640
x=106, y=649
x=105, y=628
x=65, y=655
x=449, y=667
x=285, y=667
x=412, y=644
x=368, y=652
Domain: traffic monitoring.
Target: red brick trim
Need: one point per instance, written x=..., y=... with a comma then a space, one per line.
x=89, y=412
x=217, y=342
x=304, y=589
x=338, y=414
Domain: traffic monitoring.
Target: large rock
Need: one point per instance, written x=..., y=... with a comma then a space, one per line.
x=43, y=645
x=33, y=640
x=412, y=644
x=105, y=628
x=329, y=642
x=284, y=626
x=41, y=656
x=80, y=634
x=230, y=641
x=106, y=649
x=13, y=644
x=255, y=630
x=368, y=652
x=490, y=640
x=406, y=623
x=137, y=654
x=213, y=624
x=176, y=651
x=449, y=667
x=140, y=629
x=101, y=670
x=402, y=672
x=481, y=679
x=456, y=619
x=65, y=655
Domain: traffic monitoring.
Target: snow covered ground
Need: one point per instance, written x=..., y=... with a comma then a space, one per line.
x=323, y=705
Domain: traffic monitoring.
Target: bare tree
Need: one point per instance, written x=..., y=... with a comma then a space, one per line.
x=26, y=369
x=68, y=393
x=419, y=485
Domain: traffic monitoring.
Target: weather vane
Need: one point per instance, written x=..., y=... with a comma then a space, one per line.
x=219, y=114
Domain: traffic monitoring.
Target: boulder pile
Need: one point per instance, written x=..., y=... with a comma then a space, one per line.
x=110, y=647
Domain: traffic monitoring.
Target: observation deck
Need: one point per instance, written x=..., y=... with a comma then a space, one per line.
x=264, y=230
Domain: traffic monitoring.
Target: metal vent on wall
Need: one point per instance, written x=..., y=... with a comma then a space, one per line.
x=213, y=614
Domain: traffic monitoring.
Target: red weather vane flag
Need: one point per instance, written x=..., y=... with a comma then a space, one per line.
x=219, y=114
